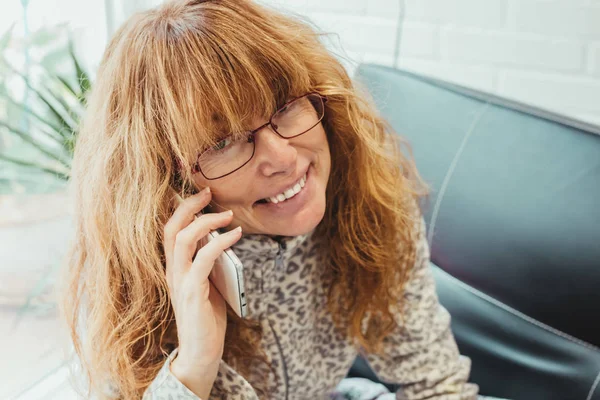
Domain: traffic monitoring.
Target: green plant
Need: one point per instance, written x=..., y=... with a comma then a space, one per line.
x=41, y=104
x=42, y=115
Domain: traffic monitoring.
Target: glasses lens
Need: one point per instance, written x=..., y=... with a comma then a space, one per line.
x=299, y=116
x=234, y=151
x=226, y=156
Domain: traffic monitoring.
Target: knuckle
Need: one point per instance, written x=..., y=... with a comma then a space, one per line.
x=188, y=207
x=204, y=221
x=168, y=230
x=182, y=237
x=222, y=243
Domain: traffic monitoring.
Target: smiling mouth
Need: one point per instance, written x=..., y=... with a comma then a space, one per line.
x=286, y=194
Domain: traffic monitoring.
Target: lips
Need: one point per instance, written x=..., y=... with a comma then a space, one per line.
x=286, y=192
x=291, y=206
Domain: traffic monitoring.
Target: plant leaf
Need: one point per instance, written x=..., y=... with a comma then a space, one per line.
x=5, y=39
x=65, y=125
x=67, y=85
x=59, y=139
x=28, y=164
x=82, y=77
x=53, y=58
x=61, y=118
x=45, y=36
x=58, y=97
x=27, y=138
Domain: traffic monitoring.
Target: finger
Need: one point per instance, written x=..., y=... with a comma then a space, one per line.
x=184, y=215
x=187, y=239
x=170, y=283
x=207, y=255
x=177, y=221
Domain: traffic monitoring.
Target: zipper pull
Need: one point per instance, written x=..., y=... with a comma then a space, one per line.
x=279, y=255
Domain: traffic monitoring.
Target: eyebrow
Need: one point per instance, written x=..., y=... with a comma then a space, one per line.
x=220, y=123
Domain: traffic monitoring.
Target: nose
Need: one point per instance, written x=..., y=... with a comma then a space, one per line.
x=274, y=154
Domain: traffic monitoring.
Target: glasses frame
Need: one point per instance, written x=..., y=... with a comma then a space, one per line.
x=251, y=135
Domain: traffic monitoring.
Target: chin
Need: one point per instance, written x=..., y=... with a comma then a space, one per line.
x=299, y=214
x=302, y=228
x=299, y=224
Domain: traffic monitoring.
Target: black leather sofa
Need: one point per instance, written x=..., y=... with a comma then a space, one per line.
x=514, y=230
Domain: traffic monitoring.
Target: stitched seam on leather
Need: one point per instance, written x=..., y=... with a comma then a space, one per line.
x=450, y=172
x=594, y=386
x=520, y=314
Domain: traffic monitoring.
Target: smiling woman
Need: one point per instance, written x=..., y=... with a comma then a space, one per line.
x=261, y=167
x=244, y=112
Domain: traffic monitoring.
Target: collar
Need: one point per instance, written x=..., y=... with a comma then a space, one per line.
x=264, y=259
x=257, y=245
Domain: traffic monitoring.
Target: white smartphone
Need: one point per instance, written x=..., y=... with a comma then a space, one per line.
x=227, y=275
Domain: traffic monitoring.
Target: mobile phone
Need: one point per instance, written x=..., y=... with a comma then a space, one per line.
x=227, y=275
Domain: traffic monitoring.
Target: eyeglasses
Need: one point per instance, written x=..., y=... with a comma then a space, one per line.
x=293, y=119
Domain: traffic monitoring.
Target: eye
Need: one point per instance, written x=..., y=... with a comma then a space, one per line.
x=221, y=144
x=287, y=107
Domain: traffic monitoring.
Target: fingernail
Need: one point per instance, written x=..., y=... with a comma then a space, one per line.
x=229, y=212
x=238, y=229
x=207, y=190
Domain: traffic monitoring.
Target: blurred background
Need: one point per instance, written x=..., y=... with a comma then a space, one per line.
x=542, y=52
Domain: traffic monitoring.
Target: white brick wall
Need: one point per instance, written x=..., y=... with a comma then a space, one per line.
x=542, y=52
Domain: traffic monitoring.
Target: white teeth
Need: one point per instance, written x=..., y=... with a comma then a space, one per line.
x=288, y=193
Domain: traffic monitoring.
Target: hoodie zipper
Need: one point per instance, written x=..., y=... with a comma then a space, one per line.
x=278, y=264
x=283, y=364
x=279, y=255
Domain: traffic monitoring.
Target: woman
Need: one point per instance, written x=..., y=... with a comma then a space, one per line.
x=244, y=113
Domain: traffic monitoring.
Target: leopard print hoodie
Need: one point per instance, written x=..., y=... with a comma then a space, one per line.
x=309, y=355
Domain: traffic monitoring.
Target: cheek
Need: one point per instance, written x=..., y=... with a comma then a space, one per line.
x=315, y=141
x=324, y=151
x=231, y=193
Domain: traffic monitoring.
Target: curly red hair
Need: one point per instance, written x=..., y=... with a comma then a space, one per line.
x=167, y=72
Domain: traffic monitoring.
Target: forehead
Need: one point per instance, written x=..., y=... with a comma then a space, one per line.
x=222, y=101
x=249, y=117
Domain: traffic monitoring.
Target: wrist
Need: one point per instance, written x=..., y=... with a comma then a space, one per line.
x=187, y=362
x=197, y=377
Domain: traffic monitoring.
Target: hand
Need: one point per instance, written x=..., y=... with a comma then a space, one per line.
x=200, y=311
